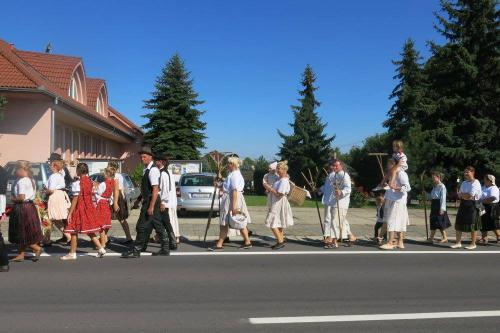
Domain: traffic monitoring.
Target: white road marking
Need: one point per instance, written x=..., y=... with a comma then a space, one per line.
x=278, y=253
x=373, y=317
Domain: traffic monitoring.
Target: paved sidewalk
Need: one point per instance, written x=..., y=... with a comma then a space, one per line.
x=306, y=225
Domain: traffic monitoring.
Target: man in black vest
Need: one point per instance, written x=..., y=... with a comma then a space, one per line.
x=150, y=216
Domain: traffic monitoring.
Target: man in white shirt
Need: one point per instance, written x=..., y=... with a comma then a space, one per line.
x=150, y=216
x=166, y=187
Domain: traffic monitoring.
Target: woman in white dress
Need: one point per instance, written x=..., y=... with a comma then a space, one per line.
x=279, y=216
x=232, y=203
x=395, y=210
x=268, y=181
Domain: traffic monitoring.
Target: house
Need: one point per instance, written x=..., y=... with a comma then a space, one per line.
x=53, y=106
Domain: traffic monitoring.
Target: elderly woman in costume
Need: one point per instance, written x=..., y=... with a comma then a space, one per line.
x=232, y=204
x=468, y=214
x=279, y=216
x=438, y=216
x=490, y=220
x=395, y=210
x=268, y=181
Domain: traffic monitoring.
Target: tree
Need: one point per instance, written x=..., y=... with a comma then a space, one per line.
x=465, y=83
x=261, y=168
x=308, y=146
x=410, y=105
x=174, y=125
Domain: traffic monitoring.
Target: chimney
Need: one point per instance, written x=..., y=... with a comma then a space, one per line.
x=48, y=48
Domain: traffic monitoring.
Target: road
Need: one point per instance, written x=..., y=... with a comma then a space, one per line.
x=198, y=292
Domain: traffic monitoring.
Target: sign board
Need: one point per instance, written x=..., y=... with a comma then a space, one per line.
x=179, y=168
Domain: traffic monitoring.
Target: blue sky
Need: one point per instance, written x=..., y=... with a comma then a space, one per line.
x=246, y=57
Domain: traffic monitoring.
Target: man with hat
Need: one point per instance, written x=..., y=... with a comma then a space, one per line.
x=167, y=195
x=150, y=216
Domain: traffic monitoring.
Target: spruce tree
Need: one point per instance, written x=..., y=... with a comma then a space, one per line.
x=464, y=78
x=174, y=126
x=308, y=146
x=410, y=105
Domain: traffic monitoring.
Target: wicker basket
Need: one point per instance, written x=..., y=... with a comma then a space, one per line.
x=297, y=195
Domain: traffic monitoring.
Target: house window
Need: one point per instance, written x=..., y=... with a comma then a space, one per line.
x=75, y=88
x=100, y=104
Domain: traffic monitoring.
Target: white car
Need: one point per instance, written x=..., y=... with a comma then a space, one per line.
x=195, y=192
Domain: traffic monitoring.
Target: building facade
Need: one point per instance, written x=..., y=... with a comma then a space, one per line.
x=52, y=106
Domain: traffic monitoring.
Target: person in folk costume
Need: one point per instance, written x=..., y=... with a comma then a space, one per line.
x=120, y=205
x=150, y=215
x=268, y=181
x=24, y=224
x=232, y=202
x=490, y=220
x=340, y=193
x=395, y=210
x=167, y=187
x=326, y=191
x=279, y=216
x=4, y=259
x=56, y=189
x=468, y=218
x=82, y=217
x=104, y=199
x=438, y=216
x=378, y=230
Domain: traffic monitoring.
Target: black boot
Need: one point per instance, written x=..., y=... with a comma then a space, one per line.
x=172, y=242
x=164, y=250
x=134, y=253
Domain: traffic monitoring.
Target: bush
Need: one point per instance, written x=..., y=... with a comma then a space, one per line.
x=358, y=198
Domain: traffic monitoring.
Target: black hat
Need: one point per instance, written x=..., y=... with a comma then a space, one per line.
x=146, y=150
x=160, y=157
x=55, y=157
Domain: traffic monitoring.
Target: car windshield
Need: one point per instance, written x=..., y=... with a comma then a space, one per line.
x=36, y=168
x=197, y=180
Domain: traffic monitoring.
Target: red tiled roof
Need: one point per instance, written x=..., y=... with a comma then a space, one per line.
x=12, y=77
x=56, y=68
x=93, y=88
x=22, y=69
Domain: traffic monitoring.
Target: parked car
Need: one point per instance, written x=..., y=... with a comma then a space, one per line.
x=41, y=173
x=132, y=192
x=195, y=192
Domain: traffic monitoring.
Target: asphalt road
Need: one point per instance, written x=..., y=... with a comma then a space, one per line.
x=220, y=293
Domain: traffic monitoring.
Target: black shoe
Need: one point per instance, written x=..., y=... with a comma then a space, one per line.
x=131, y=254
x=162, y=252
x=246, y=246
x=4, y=268
x=278, y=246
x=173, y=246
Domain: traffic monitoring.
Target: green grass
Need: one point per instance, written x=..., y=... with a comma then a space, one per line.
x=261, y=200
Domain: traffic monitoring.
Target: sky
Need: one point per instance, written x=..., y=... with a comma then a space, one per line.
x=245, y=57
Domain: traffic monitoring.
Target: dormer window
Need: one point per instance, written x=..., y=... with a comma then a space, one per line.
x=75, y=88
x=100, y=104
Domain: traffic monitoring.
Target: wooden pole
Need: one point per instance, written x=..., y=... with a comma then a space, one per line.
x=211, y=210
x=315, y=198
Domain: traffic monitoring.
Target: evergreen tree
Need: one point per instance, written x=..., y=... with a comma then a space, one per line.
x=308, y=146
x=174, y=125
x=410, y=105
x=464, y=78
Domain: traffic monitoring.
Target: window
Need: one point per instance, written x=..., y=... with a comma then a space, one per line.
x=75, y=88
x=100, y=104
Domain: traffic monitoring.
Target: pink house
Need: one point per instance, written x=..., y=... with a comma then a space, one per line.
x=53, y=106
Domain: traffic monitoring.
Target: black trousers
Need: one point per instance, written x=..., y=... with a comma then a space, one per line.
x=147, y=223
x=165, y=220
x=4, y=259
x=377, y=227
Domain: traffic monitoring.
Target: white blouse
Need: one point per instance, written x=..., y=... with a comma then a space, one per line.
x=100, y=190
x=439, y=192
x=282, y=186
x=270, y=179
x=75, y=187
x=489, y=192
x=471, y=188
x=56, y=182
x=167, y=189
x=234, y=182
x=25, y=186
x=402, y=182
x=121, y=182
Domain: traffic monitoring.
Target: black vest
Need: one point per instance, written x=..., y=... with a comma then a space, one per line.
x=146, y=188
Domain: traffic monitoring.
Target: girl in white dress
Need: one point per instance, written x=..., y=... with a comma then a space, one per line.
x=280, y=214
x=232, y=202
x=268, y=181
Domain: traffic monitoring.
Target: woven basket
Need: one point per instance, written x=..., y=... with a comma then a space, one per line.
x=297, y=195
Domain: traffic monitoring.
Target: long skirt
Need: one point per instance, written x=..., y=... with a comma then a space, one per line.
x=122, y=213
x=280, y=214
x=174, y=221
x=332, y=223
x=104, y=214
x=24, y=225
x=441, y=222
x=490, y=221
x=225, y=208
x=58, y=205
x=396, y=215
x=468, y=219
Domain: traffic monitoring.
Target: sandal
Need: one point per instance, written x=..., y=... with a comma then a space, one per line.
x=69, y=256
x=215, y=249
x=18, y=259
x=386, y=246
